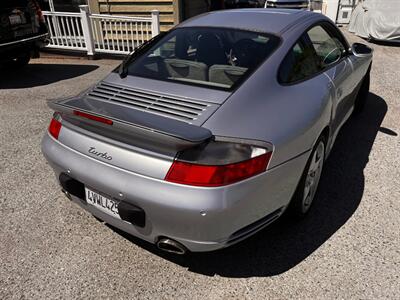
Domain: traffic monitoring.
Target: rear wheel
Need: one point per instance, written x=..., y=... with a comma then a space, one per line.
x=362, y=95
x=308, y=185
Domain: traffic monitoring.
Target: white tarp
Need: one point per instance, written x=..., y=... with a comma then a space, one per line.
x=377, y=19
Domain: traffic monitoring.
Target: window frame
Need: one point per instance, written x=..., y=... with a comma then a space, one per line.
x=306, y=42
x=276, y=39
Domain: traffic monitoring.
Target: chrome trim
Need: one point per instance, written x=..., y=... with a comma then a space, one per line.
x=25, y=40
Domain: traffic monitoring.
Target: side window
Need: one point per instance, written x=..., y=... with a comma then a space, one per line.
x=329, y=49
x=298, y=64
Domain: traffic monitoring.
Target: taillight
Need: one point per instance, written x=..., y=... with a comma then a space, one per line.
x=219, y=163
x=55, y=126
x=93, y=117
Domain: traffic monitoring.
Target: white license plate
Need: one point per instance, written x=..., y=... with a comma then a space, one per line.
x=103, y=203
x=15, y=19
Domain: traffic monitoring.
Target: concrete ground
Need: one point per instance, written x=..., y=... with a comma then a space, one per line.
x=348, y=247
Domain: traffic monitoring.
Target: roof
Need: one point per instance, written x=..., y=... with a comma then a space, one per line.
x=273, y=20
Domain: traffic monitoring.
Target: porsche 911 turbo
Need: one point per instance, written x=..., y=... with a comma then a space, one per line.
x=208, y=133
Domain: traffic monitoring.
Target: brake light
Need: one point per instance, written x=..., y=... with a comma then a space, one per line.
x=93, y=117
x=54, y=128
x=218, y=164
x=203, y=175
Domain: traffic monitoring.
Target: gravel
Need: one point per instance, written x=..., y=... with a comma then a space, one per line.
x=348, y=247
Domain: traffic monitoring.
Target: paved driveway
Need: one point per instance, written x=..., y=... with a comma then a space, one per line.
x=348, y=247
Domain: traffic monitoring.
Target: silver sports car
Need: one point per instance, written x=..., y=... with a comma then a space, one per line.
x=211, y=131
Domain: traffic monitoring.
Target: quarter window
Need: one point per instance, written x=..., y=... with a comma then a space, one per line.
x=315, y=51
x=298, y=64
x=327, y=48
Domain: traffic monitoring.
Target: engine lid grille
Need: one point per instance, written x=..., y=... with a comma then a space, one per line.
x=178, y=108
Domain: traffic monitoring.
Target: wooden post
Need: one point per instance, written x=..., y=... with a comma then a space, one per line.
x=177, y=6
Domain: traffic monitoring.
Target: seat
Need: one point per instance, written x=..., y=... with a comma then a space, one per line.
x=210, y=50
x=181, y=68
x=226, y=74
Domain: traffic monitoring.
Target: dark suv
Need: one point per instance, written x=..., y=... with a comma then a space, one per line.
x=22, y=31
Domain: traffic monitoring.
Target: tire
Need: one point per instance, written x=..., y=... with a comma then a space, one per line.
x=23, y=60
x=306, y=190
x=362, y=95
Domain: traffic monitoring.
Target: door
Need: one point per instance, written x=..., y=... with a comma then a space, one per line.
x=332, y=58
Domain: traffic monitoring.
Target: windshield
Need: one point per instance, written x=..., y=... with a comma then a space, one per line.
x=213, y=57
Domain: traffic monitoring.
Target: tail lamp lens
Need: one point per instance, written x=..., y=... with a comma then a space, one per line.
x=93, y=117
x=218, y=164
x=55, y=128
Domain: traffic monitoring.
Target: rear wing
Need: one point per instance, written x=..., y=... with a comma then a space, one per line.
x=130, y=122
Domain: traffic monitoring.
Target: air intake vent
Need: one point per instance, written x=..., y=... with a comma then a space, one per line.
x=182, y=109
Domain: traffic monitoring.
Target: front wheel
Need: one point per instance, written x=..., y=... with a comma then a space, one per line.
x=308, y=185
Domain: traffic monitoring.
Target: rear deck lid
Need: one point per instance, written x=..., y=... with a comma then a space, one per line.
x=151, y=119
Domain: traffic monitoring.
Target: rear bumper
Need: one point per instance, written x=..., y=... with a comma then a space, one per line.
x=202, y=219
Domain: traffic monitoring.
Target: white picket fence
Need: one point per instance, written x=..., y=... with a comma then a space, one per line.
x=99, y=33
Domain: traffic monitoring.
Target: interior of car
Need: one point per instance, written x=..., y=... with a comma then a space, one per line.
x=213, y=57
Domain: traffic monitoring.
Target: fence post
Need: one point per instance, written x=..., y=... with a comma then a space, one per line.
x=87, y=30
x=155, y=23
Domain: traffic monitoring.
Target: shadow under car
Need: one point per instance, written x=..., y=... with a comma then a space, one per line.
x=287, y=242
x=33, y=75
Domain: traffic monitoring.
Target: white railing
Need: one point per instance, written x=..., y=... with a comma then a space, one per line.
x=65, y=30
x=120, y=34
x=99, y=33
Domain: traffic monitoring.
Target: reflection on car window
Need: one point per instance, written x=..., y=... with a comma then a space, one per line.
x=327, y=48
x=298, y=64
x=212, y=57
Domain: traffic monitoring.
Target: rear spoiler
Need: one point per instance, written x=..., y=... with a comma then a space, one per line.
x=137, y=123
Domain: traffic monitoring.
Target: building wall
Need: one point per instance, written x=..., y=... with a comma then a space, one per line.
x=169, y=9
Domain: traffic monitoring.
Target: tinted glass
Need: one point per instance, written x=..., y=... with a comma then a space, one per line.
x=217, y=58
x=328, y=49
x=298, y=64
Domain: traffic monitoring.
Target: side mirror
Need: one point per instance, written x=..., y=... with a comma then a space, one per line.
x=360, y=50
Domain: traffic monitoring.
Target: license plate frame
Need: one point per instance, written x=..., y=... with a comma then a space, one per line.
x=102, y=202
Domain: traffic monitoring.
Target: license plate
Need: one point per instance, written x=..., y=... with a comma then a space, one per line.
x=15, y=19
x=103, y=203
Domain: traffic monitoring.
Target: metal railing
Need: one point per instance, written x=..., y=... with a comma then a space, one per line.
x=99, y=33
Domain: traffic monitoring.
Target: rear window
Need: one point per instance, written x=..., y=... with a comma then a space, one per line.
x=213, y=57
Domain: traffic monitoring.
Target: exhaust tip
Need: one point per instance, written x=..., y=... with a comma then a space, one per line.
x=171, y=246
x=67, y=194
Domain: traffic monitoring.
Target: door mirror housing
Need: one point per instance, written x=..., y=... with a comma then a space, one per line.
x=360, y=50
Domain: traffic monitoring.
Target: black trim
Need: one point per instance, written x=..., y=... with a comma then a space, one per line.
x=132, y=214
x=253, y=227
x=72, y=186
